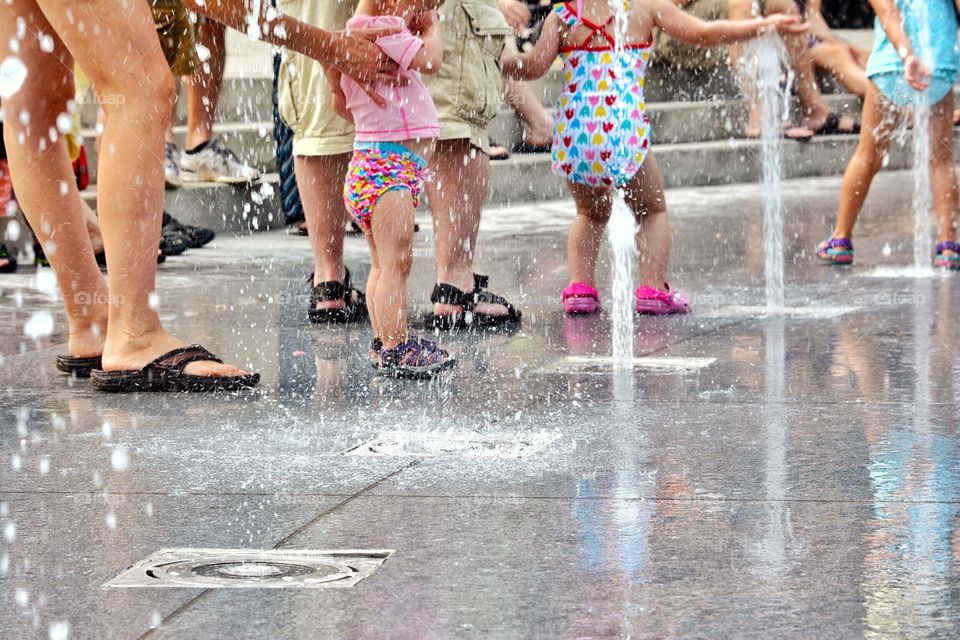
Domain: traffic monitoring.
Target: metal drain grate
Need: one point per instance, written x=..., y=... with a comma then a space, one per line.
x=251, y=568
x=603, y=365
x=462, y=443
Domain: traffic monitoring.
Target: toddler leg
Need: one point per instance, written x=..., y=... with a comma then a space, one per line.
x=878, y=124
x=644, y=194
x=373, y=283
x=586, y=233
x=392, y=230
x=943, y=177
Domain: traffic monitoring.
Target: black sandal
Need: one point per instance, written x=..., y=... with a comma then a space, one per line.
x=166, y=374
x=355, y=301
x=78, y=366
x=469, y=319
x=11, y=265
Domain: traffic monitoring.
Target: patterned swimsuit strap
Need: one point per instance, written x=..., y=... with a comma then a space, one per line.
x=573, y=17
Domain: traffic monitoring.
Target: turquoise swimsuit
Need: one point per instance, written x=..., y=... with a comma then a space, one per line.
x=885, y=68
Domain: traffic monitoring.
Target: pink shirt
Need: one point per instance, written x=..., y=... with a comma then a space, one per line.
x=410, y=112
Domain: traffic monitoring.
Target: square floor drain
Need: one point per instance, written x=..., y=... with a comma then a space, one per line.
x=461, y=443
x=252, y=569
x=603, y=365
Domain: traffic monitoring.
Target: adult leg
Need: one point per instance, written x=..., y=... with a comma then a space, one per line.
x=320, y=179
x=644, y=195
x=943, y=176
x=392, y=230
x=878, y=125
x=43, y=176
x=130, y=178
x=457, y=195
x=594, y=206
x=203, y=88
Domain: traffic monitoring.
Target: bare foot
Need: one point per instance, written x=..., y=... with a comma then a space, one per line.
x=134, y=354
x=441, y=309
x=87, y=338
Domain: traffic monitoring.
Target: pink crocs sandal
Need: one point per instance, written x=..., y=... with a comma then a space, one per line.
x=654, y=302
x=580, y=299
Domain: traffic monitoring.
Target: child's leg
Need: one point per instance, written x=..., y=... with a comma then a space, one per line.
x=644, y=195
x=943, y=176
x=840, y=61
x=392, y=228
x=586, y=233
x=373, y=282
x=878, y=124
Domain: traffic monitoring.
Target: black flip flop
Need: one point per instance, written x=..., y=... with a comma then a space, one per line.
x=78, y=366
x=355, y=302
x=526, y=147
x=469, y=319
x=831, y=126
x=165, y=374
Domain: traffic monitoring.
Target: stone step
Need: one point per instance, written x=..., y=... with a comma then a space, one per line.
x=528, y=178
x=673, y=122
x=233, y=208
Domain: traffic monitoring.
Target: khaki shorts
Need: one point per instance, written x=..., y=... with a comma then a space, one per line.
x=687, y=56
x=466, y=90
x=177, y=35
x=305, y=101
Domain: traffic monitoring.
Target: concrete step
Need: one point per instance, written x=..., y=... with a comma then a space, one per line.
x=233, y=208
x=673, y=122
x=528, y=178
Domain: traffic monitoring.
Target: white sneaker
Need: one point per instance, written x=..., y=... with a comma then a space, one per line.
x=215, y=163
x=171, y=167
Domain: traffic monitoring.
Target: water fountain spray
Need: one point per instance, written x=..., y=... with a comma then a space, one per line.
x=922, y=195
x=763, y=62
x=621, y=232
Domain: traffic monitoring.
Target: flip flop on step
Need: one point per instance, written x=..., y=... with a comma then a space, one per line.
x=165, y=374
x=831, y=126
x=77, y=365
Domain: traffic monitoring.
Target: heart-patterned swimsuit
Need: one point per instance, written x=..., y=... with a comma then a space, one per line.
x=602, y=132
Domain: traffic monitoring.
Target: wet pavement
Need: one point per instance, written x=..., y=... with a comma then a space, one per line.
x=792, y=476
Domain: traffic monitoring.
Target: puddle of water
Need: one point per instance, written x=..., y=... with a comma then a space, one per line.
x=604, y=365
x=460, y=443
x=252, y=569
x=761, y=311
x=901, y=272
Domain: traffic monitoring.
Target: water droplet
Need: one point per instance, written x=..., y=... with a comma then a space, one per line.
x=107, y=430
x=39, y=325
x=887, y=250
x=59, y=631
x=111, y=520
x=46, y=43
x=9, y=532
x=120, y=459
x=153, y=301
x=13, y=231
x=21, y=597
x=64, y=123
x=13, y=73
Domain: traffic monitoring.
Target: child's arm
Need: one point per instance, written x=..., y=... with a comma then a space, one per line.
x=685, y=27
x=535, y=63
x=430, y=56
x=339, y=100
x=917, y=75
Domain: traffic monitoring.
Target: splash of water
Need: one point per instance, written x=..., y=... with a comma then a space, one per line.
x=922, y=196
x=621, y=232
x=763, y=61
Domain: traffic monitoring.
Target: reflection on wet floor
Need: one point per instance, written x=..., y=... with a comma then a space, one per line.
x=795, y=472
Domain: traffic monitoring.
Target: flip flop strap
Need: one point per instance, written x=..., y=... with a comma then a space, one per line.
x=448, y=294
x=177, y=359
